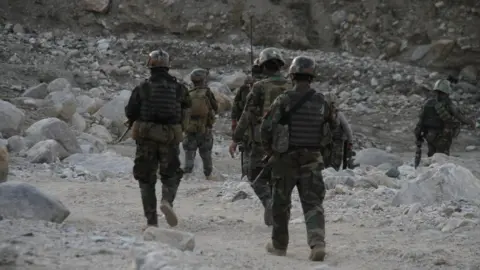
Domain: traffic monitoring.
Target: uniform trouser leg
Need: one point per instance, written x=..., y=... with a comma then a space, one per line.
x=246, y=163
x=190, y=146
x=311, y=188
x=337, y=154
x=144, y=171
x=439, y=142
x=260, y=186
x=170, y=172
x=205, y=146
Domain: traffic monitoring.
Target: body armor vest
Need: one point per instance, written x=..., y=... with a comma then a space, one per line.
x=431, y=119
x=307, y=123
x=274, y=86
x=162, y=102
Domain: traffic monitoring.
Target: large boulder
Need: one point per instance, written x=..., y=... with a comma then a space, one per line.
x=47, y=151
x=177, y=239
x=55, y=129
x=64, y=103
x=108, y=164
x=16, y=144
x=86, y=104
x=59, y=85
x=376, y=157
x=21, y=200
x=114, y=110
x=101, y=132
x=39, y=91
x=3, y=164
x=223, y=95
x=235, y=80
x=11, y=119
x=439, y=183
x=91, y=144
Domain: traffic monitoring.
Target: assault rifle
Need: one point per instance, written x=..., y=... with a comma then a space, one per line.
x=129, y=127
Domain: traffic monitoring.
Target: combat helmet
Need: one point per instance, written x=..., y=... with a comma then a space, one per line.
x=302, y=65
x=271, y=54
x=256, y=69
x=158, y=58
x=198, y=75
x=443, y=86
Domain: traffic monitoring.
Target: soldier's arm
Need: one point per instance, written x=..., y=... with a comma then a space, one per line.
x=213, y=101
x=254, y=102
x=132, y=110
x=186, y=102
x=237, y=108
x=270, y=119
x=345, y=126
x=419, y=126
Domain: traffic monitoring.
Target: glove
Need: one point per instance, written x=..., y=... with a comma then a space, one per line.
x=234, y=125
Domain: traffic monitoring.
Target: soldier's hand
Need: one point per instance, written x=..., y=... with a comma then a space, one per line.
x=232, y=149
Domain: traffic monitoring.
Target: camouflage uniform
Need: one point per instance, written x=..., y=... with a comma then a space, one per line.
x=156, y=107
x=262, y=95
x=199, y=132
x=439, y=120
x=297, y=159
x=238, y=104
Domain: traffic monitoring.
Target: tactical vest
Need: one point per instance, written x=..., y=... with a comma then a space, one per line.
x=162, y=102
x=431, y=119
x=307, y=123
x=200, y=103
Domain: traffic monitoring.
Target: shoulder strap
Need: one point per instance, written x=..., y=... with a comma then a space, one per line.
x=286, y=116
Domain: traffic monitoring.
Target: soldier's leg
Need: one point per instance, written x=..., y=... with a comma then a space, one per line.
x=246, y=161
x=261, y=186
x=145, y=172
x=283, y=177
x=190, y=147
x=311, y=190
x=327, y=155
x=443, y=144
x=205, y=146
x=171, y=175
x=337, y=154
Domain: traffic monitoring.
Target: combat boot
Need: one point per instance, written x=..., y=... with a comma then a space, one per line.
x=170, y=215
x=317, y=254
x=267, y=213
x=210, y=177
x=275, y=251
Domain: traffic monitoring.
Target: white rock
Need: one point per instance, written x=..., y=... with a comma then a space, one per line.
x=59, y=85
x=16, y=144
x=101, y=132
x=21, y=200
x=375, y=157
x=115, y=110
x=8, y=255
x=97, y=92
x=78, y=122
x=470, y=148
x=64, y=103
x=110, y=164
x=86, y=104
x=91, y=144
x=47, y=151
x=235, y=80
x=100, y=6
x=39, y=91
x=440, y=183
x=11, y=119
x=454, y=223
x=177, y=239
x=220, y=88
x=55, y=129
x=414, y=208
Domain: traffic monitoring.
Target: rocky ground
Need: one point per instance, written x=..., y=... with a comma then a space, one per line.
x=70, y=201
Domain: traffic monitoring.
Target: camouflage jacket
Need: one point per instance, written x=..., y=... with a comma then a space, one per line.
x=254, y=107
x=239, y=101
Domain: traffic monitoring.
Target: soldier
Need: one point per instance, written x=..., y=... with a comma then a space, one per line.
x=341, y=135
x=292, y=131
x=438, y=120
x=262, y=95
x=238, y=104
x=155, y=107
x=199, y=130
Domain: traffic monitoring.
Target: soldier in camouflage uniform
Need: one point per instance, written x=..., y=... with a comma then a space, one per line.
x=199, y=130
x=238, y=104
x=156, y=107
x=262, y=95
x=293, y=132
x=439, y=120
x=340, y=134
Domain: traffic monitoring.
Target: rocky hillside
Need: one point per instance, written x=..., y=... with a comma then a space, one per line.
x=431, y=33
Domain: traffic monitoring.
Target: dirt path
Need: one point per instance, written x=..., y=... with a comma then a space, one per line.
x=233, y=236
